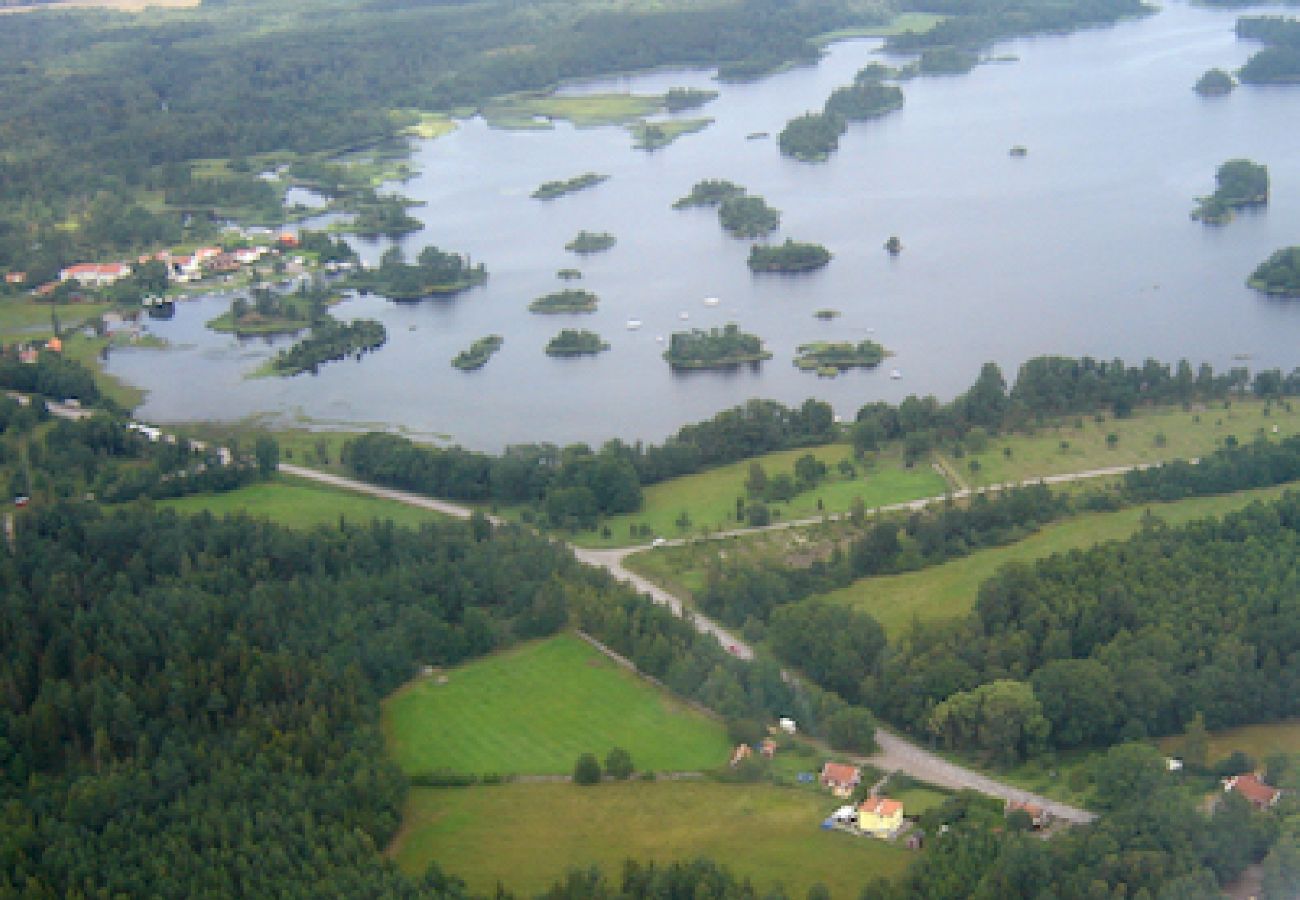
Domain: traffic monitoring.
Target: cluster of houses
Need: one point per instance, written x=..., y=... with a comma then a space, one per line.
x=877, y=816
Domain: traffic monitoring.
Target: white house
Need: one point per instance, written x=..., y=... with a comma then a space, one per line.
x=95, y=274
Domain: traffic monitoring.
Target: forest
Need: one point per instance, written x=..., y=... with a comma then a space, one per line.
x=1279, y=274
x=1279, y=61
x=791, y=256
x=330, y=341
x=748, y=216
x=1238, y=184
x=717, y=348
x=576, y=342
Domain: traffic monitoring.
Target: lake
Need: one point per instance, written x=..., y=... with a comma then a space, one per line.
x=1084, y=246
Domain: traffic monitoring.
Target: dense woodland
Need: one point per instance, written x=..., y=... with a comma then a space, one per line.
x=1279, y=61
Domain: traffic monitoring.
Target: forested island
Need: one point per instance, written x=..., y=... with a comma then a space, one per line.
x=329, y=340
x=576, y=342
x=385, y=217
x=1279, y=274
x=1239, y=184
x=435, y=273
x=791, y=256
x=1215, y=83
x=570, y=300
x=1279, y=61
x=657, y=135
x=717, y=348
x=478, y=353
x=748, y=217
x=812, y=137
x=679, y=99
x=710, y=192
x=267, y=312
x=590, y=242
x=946, y=61
x=833, y=357
x=550, y=190
x=866, y=98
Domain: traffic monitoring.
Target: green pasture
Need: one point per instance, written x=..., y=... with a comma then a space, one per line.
x=709, y=498
x=919, y=22
x=22, y=318
x=1258, y=741
x=536, y=708
x=298, y=503
x=586, y=111
x=949, y=590
x=1079, y=443
x=526, y=836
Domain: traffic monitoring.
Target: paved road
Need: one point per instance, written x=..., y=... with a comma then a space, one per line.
x=896, y=753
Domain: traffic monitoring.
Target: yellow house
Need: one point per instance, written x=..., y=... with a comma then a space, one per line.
x=880, y=816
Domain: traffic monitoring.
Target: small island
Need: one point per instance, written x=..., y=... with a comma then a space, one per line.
x=1019, y=151
x=565, y=301
x=478, y=354
x=717, y=348
x=710, y=192
x=384, y=217
x=894, y=245
x=330, y=340
x=657, y=135
x=826, y=314
x=788, y=257
x=867, y=97
x=591, y=242
x=946, y=61
x=748, y=217
x=568, y=274
x=812, y=137
x=1215, y=83
x=679, y=99
x=266, y=312
x=434, y=274
x=1278, y=275
x=832, y=357
x=1240, y=184
x=572, y=342
x=552, y=189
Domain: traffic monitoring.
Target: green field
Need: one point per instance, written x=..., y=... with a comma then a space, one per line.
x=527, y=835
x=298, y=503
x=1186, y=435
x=919, y=22
x=585, y=111
x=949, y=590
x=534, y=709
x=1259, y=741
x=22, y=318
x=709, y=498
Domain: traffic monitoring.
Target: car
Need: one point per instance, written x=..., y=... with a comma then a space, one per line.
x=658, y=542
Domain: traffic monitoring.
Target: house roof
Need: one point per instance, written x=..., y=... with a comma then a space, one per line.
x=1033, y=809
x=96, y=269
x=881, y=806
x=843, y=773
x=1254, y=790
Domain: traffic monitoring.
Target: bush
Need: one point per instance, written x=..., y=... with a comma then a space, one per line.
x=586, y=770
x=618, y=763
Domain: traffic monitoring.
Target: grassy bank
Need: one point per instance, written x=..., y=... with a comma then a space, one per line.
x=534, y=709
x=526, y=835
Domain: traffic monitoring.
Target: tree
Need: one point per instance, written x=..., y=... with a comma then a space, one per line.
x=1125, y=772
x=586, y=770
x=618, y=764
x=267, y=453
x=852, y=728
x=1196, y=743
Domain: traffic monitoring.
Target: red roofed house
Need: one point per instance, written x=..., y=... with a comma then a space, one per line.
x=95, y=274
x=15, y=277
x=1038, y=817
x=841, y=778
x=742, y=751
x=880, y=816
x=1260, y=795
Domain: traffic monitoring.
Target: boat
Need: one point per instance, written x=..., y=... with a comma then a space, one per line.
x=633, y=324
x=683, y=315
x=1019, y=150
x=659, y=338
x=711, y=301
x=895, y=374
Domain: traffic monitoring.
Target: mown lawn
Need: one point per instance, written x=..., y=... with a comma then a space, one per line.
x=1149, y=435
x=534, y=709
x=708, y=498
x=298, y=503
x=528, y=835
x=949, y=590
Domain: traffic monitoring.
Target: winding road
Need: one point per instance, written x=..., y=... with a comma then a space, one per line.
x=896, y=753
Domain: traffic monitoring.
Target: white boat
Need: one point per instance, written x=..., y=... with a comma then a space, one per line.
x=683, y=315
x=895, y=374
x=711, y=301
x=659, y=339
x=633, y=324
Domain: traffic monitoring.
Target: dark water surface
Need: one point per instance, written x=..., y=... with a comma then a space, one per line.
x=1082, y=247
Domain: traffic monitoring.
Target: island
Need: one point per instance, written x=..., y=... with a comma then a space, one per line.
x=748, y=217
x=657, y=135
x=384, y=217
x=1239, y=184
x=1279, y=61
x=826, y=314
x=267, y=312
x=678, y=99
x=568, y=300
x=478, y=354
x=717, y=348
x=866, y=98
x=572, y=342
x=710, y=192
x=829, y=358
x=435, y=273
x=590, y=242
x=330, y=340
x=1215, y=83
x=812, y=137
x=894, y=245
x=552, y=189
x=1278, y=275
x=946, y=61
x=788, y=257
x=568, y=274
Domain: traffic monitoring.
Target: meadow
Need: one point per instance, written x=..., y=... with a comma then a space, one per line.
x=526, y=835
x=533, y=709
x=298, y=503
x=1257, y=741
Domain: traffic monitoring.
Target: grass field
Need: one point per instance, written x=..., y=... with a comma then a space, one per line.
x=1259, y=741
x=709, y=498
x=585, y=111
x=1185, y=435
x=302, y=504
x=910, y=21
x=534, y=709
x=949, y=590
x=527, y=835
x=22, y=318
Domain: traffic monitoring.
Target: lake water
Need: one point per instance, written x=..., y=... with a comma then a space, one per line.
x=1082, y=247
